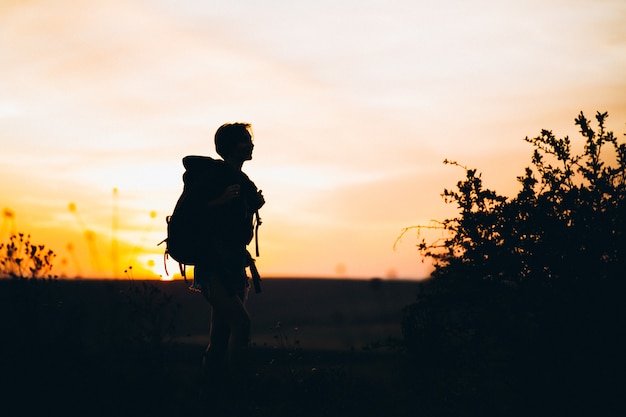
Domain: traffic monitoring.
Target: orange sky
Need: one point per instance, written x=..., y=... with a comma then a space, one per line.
x=354, y=106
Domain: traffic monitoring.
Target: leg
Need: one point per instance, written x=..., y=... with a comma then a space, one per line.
x=219, y=333
x=216, y=353
x=230, y=309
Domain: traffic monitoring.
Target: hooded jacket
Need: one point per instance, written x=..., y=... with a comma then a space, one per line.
x=229, y=225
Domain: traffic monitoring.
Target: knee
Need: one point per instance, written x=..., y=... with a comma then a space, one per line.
x=242, y=325
x=246, y=324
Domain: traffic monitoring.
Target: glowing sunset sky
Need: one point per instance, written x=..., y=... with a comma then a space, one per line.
x=354, y=106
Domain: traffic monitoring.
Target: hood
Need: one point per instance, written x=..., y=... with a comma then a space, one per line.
x=193, y=162
x=196, y=166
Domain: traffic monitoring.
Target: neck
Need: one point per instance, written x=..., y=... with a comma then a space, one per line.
x=235, y=163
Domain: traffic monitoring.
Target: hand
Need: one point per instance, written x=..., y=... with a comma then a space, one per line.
x=231, y=192
x=260, y=198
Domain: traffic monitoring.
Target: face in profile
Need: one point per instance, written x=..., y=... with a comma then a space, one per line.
x=243, y=149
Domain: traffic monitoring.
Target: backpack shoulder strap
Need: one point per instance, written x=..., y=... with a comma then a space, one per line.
x=257, y=223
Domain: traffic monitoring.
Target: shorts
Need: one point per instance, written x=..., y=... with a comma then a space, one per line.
x=229, y=267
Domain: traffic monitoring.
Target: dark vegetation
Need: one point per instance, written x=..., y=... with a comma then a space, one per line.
x=524, y=315
x=525, y=312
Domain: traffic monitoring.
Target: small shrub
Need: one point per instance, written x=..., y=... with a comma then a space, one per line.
x=20, y=259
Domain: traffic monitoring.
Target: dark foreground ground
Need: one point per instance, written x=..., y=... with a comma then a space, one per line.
x=112, y=348
x=320, y=348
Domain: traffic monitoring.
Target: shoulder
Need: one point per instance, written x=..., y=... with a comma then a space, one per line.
x=246, y=180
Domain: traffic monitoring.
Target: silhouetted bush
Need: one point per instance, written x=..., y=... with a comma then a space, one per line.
x=524, y=311
x=20, y=259
x=566, y=223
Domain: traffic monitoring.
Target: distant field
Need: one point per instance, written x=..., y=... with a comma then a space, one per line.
x=328, y=313
x=323, y=314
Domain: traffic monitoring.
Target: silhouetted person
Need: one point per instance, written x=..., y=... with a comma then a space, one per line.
x=230, y=200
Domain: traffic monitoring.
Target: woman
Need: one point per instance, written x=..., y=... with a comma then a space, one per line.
x=230, y=200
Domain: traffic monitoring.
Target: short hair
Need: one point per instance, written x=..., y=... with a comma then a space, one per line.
x=229, y=135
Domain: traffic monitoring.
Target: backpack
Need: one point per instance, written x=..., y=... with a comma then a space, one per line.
x=183, y=242
x=186, y=240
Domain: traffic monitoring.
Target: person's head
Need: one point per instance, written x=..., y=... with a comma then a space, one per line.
x=234, y=140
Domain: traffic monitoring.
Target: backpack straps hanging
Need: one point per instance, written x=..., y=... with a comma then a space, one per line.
x=166, y=256
x=256, y=277
x=258, y=223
